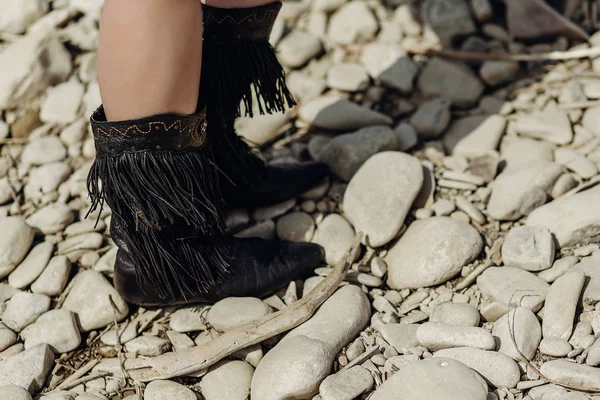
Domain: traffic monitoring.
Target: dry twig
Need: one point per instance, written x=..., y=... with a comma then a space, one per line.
x=66, y=384
x=196, y=359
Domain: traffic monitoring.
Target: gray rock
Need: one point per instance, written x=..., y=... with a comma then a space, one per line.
x=338, y=114
x=528, y=247
x=57, y=328
x=15, y=240
x=497, y=368
x=88, y=299
x=496, y=72
x=189, y=319
x=432, y=118
x=436, y=378
x=228, y=380
x=455, y=314
x=13, y=392
x=555, y=347
x=406, y=137
x=519, y=191
x=561, y=304
x=513, y=285
x=353, y=22
x=348, y=77
x=345, y=154
x=149, y=346
x=573, y=219
x=234, y=312
x=273, y=211
x=381, y=193
x=44, y=150
x=474, y=136
x=572, y=374
x=297, y=48
x=24, y=309
x=296, y=227
x=389, y=64
x=448, y=19
x=527, y=331
x=401, y=336
x=432, y=251
x=550, y=124
x=453, y=81
x=27, y=369
x=54, y=278
x=32, y=266
x=336, y=236
x=168, y=390
x=262, y=229
x=52, y=219
x=346, y=384
x=436, y=336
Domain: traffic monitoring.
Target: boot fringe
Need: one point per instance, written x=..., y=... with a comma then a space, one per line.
x=241, y=75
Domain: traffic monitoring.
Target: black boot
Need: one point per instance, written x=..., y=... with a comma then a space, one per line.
x=159, y=177
x=240, y=69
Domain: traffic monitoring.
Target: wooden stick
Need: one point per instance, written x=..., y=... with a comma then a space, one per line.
x=85, y=379
x=78, y=374
x=467, y=56
x=196, y=359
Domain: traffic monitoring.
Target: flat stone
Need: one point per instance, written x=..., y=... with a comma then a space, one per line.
x=46, y=179
x=233, y=312
x=381, y=193
x=555, y=347
x=15, y=240
x=401, y=336
x=228, y=380
x=435, y=378
x=348, y=77
x=168, y=390
x=32, y=266
x=496, y=72
x=474, y=136
x=576, y=162
x=436, y=336
x=338, y=114
x=591, y=119
x=453, y=81
x=189, y=319
x=264, y=229
x=88, y=299
x=53, y=279
x=497, y=368
x=448, y=19
x=345, y=154
x=180, y=341
x=431, y=118
x=431, y=251
x=561, y=304
x=346, y=384
x=352, y=23
x=519, y=150
x=526, y=329
x=57, y=328
x=559, y=267
x=27, y=369
x=75, y=246
x=62, y=102
x=519, y=191
x=336, y=236
x=573, y=219
x=455, y=314
x=13, y=392
x=572, y=374
x=17, y=16
x=296, y=227
x=7, y=337
x=297, y=48
x=24, y=309
x=550, y=124
x=260, y=129
x=389, y=64
x=513, y=285
x=52, y=219
x=44, y=150
x=148, y=346
x=528, y=247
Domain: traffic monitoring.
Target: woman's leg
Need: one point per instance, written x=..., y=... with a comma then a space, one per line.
x=149, y=57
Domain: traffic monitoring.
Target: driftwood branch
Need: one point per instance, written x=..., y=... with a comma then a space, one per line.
x=197, y=359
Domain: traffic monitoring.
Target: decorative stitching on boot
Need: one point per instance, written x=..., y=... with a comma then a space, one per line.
x=239, y=24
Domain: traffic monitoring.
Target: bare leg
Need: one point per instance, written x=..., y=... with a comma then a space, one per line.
x=149, y=57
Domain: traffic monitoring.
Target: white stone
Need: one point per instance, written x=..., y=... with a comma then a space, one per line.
x=381, y=193
x=527, y=331
x=401, y=336
x=43, y=150
x=296, y=227
x=336, y=236
x=497, y=368
x=550, y=124
x=474, y=136
x=53, y=218
x=32, y=266
x=62, y=103
x=436, y=336
x=555, y=347
x=573, y=220
x=455, y=314
x=168, y=390
x=180, y=341
x=260, y=129
x=54, y=278
x=57, y=328
x=519, y=150
x=228, y=380
x=46, y=179
x=346, y=384
x=436, y=378
x=431, y=251
x=233, y=312
x=13, y=392
x=348, y=77
x=88, y=299
x=576, y=162
x=16, y=238
x=561, y=304
x=389, y=64
x=528, y=247
x=513, y=285
x=572, y=374
x=518, y=191
x=559, y=267
x=24, y=309
x=7, y=337
x=31, y=64
x=297, y=48
x=338, y=114
x=189, y=319
x=75, y=246
x=353, y=22
x=27, y=369
x=148, y=346
x=18, y=15
x=345, y=154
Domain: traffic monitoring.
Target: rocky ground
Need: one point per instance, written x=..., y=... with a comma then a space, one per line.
x=480, y=277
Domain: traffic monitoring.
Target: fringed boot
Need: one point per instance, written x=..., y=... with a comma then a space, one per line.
x=160, y=179
x=241, y=73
